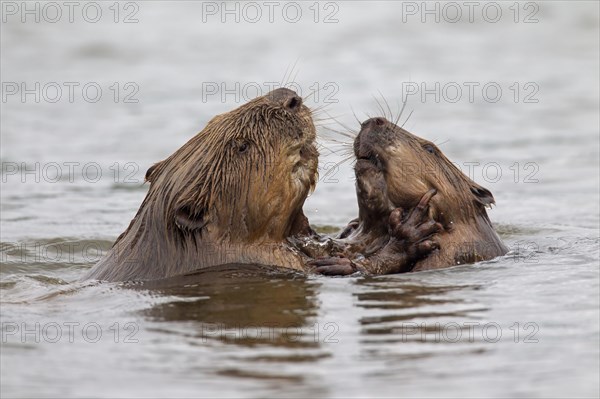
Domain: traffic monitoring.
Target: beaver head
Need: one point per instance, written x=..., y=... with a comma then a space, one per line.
x=395, y=168
x=231, y=194
x=243, y=178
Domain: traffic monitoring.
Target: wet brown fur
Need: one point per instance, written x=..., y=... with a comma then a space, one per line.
x=395, y=168
x=231, y=194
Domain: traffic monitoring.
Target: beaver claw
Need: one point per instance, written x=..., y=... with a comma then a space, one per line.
x=423, y=248
x=349, y=229
x=414, y=232
x=333, y=266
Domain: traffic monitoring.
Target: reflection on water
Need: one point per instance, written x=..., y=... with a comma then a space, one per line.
x=216, y=301
x=410, y=312
x=408, y=303
x=270, y=311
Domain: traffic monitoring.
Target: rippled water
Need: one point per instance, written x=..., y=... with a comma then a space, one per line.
x=526, y=324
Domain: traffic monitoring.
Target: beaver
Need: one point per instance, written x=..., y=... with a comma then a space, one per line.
x=233, y=194
x=394, y=168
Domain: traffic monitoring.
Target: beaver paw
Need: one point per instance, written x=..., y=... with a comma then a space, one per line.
x=422, y=249
x=333, y=266
x=349, y=229
x=415, y=231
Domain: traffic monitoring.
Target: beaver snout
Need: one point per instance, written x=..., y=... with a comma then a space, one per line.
x=368, y=141
x=377, y=122
x=370, y=132
x=286, y=98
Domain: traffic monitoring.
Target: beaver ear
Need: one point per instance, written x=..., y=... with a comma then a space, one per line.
x=482, y=195
x=151, y=172
x=189, y=220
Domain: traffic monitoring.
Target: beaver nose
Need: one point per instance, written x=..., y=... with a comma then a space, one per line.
x=287, y=98
x=373, y=122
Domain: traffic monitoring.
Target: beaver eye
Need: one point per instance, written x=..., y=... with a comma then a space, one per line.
x=243, y=147
x=429, y=148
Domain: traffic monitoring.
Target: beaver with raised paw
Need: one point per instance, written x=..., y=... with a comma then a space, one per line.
x=395, y=168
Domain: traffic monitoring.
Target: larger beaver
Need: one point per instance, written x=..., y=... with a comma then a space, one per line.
x=394, y=168
x=234, y=194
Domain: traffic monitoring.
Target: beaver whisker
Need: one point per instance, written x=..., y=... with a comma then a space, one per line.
x=330, y=145
x=297, y=71
x=286, y=77
x=349, y=152
x=442, y=143
x=336, y=165
x=349, y=132
x=329, y=140
x=328, y=119
x=341, y=133
x=318, y=110
x=355, y=117
x=386, y=104
x=404, y=102
x=381, y=108
x=345, y=133
x=322, y=114
x=332, y=140
x=312, y=93
x=407, y=118
x=340, y=151
x=334, y=151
